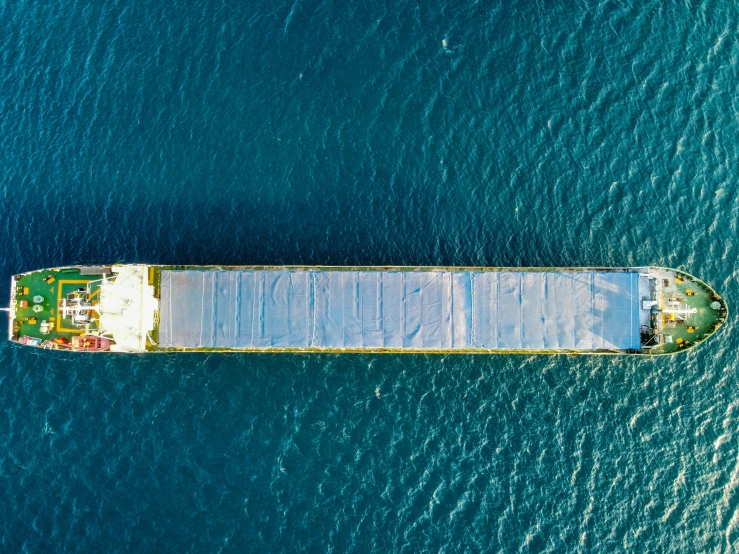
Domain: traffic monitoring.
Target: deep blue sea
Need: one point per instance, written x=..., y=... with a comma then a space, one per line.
x=445, y=132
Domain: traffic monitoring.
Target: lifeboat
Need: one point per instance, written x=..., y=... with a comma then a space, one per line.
x=89, y=343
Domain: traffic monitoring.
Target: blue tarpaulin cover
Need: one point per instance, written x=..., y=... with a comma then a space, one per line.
x=425, y=309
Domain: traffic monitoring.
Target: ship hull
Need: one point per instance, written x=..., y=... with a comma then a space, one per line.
x=361, y=309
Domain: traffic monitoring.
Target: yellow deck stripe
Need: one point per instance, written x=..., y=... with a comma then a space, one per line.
x=59, y=327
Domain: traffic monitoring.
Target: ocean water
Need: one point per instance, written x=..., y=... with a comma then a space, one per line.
x=318, y=132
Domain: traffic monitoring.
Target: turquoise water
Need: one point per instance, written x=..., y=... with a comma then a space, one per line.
x=313, y=132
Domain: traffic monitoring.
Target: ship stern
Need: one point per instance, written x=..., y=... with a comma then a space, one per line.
x=12, y=328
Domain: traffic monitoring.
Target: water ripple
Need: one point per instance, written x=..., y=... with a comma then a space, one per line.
x=317, y=132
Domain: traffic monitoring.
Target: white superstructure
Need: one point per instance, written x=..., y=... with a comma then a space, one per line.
x=127, y=308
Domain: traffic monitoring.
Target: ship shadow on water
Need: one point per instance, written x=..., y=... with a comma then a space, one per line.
x=377, y=218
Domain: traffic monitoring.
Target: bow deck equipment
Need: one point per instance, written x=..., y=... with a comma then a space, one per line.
x=140, y=308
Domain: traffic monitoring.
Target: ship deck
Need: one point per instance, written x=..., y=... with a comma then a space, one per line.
x=370, y=309
x=692, y=294
x=50, y=307
x=52, y=285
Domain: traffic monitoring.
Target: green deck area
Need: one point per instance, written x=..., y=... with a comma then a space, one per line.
x=699, y=325
x=52, y=285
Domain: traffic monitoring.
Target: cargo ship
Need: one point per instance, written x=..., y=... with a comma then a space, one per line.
x=137, y=308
